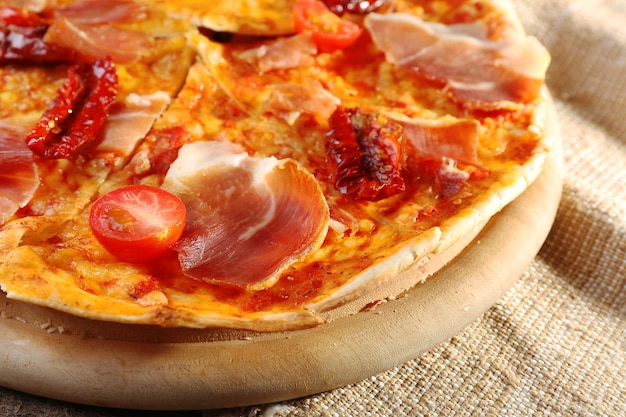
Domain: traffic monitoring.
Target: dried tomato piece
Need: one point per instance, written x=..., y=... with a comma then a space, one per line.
x=340, y=7
x=77, y=113
x=51, y=124
x=21, y=40
x=364, y=155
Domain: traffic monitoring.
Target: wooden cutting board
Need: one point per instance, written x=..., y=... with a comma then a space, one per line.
x=55, y=355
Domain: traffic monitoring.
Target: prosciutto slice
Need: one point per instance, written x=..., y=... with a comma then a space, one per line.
x=127, y=126
x=476, y=71
x=32, y=5
x=98, y=41
x=102, y=11
x=446, y=137
x=289, y=101
x=19, y=177
x=284, y=53
x=248, y=218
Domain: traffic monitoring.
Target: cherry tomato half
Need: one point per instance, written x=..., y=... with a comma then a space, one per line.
x=138, y=223
x=330, y=32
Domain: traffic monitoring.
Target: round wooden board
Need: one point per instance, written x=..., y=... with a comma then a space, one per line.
x=195, y=369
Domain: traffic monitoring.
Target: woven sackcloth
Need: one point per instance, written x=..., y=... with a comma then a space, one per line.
x=555, y=344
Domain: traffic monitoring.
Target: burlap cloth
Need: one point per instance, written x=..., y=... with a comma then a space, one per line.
x=555, y=345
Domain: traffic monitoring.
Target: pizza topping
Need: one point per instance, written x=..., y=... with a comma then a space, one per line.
x=161, y=149
x=31, y=5
x=138, y=223
x=22, y=40
x=330, y=32
x=77, y=113
x=128, y=125
x=248, y=218
x=476, y=71
x=289, y=101
x=98, y=41
x=342, y=221
x=102, y=11
x=446, y=137
x=364, y=155
x=284, y=53
x=451, y=178
x=340, y=7
x=18, y=173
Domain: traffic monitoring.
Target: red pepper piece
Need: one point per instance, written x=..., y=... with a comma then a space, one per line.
x=78, y=112
x=364, y=155
x=21, y=40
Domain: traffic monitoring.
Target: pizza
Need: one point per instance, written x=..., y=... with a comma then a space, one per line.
x=253, y=164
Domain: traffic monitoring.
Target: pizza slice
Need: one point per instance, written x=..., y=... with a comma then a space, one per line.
x=81, y=88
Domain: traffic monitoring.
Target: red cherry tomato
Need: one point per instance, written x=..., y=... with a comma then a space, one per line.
x=330, y=32
x=138, y=223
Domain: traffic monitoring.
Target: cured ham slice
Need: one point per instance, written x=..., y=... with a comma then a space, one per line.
x=247, y=218
x=32, y=5
x=446, y=137
x=125, y=127
x=102, y=11
x=284, y=53
x=478, y=72
x=289, y=101
x=98, y=41
x=18, y=173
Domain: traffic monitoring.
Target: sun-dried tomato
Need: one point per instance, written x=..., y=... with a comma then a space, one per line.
x=21, y=40
x=77, y=113
x=340, y=7
x=364, y=155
